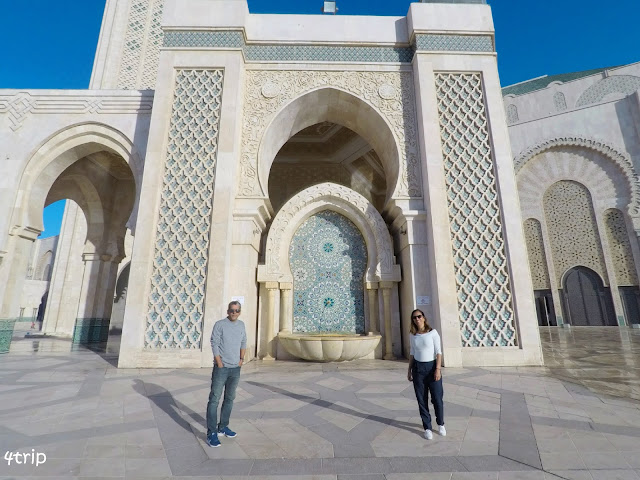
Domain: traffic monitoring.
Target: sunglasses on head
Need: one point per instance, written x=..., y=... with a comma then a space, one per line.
x=231, y=310
x=416, y=317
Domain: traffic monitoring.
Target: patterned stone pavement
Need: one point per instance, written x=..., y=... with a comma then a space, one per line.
x=355, y=421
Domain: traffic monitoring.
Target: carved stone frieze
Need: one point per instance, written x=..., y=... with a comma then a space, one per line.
x=391, y=94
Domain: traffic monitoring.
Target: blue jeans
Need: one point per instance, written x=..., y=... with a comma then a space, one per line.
x=423, y=383
x=227, y=378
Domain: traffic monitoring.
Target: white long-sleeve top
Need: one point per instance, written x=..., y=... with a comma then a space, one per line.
x=425, y=346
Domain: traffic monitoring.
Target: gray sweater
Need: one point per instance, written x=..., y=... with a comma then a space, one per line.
x=227, y=338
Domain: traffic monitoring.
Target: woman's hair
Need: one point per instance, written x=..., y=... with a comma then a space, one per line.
x=414, y=327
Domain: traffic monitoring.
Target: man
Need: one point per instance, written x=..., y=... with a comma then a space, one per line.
x=229, y=343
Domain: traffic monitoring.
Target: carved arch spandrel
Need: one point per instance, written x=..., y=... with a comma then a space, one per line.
x=381, y=264
x=389, y=94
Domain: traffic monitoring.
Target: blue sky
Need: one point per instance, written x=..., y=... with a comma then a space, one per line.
x=50, y=44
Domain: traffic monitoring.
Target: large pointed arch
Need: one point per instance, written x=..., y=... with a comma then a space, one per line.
x=329, y=196
x=51, y=158
x=337, y=106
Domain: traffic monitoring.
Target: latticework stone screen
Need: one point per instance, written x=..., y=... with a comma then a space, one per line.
x=480, y=262
x=141, y=50
x=620, y=248
x=537, y=255
x=176, y=302
x=572, y=227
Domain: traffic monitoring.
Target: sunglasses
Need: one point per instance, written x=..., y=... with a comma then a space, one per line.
x=231, y=310
x=416, y=317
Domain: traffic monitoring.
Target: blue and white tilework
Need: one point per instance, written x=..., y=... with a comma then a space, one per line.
x=328, y=258
x=176, y=301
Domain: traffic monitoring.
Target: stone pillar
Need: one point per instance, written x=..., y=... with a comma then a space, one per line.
x=109, y=279
x=611, y=270
x=372, y=295
x=90, y=296
x=15, y=267
x=386, y=301
x=272, y=288
x=286, y=314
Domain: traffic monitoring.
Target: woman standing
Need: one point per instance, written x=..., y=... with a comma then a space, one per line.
x=424, y=371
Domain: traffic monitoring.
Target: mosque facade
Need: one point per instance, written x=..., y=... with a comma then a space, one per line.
x=331, y=173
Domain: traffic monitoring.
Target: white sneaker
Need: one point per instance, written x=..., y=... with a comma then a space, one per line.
x=428, y=434
x=442, y=431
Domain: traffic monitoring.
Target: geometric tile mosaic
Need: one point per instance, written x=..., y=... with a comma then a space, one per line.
x=454, y=43
x=328, y=259
x=326, y=53
x=480, y=262
x=176, y=301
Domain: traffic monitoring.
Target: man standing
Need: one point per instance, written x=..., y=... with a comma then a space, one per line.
x=229, y=342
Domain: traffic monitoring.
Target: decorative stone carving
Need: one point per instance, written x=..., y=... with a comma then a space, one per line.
x=573, y=231
x=180, y=260
x=537, y=254
x=559, y=101
x=387, y=91
x=512, y=114
x=141, y=49
x=616, y=84
x=262, y=104
x=480, y=260
x=381, y=261
x=621, y=159
x=19, y=106
x=620, y=248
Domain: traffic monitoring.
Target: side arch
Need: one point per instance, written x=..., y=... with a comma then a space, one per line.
x=337, y=106
x=616, y=84
x=51, y=158
x=619, y=158
x=329, y=196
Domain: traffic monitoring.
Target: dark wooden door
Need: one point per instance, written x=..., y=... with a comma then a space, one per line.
x=587, y=301
x=544, y=308
x=631, y=301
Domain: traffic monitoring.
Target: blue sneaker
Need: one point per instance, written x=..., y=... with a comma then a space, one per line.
x=227, y=432
x=212, y=440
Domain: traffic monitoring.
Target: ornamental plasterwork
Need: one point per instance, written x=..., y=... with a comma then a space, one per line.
x=285, y=220
x=537, y=255
x=573, y=231
x=20, y=106
x=620, y=248
x=391, y=94
x=621, y=159
x=485, y=301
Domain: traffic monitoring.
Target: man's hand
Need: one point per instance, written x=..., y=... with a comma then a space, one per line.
x=437, y=376
x=240, y=362
x=410, y=375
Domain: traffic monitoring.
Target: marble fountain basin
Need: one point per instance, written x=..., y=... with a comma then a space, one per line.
x=329, y=347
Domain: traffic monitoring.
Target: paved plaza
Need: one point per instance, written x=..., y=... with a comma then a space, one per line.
x=356, y=421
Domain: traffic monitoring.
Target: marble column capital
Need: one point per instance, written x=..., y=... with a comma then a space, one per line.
x=286, y=286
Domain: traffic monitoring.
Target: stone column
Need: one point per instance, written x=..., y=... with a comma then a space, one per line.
x=386, y=301
x=286, y=314
x=272, y=288
x=372, y=295
x=14, y=272
x=89, y=294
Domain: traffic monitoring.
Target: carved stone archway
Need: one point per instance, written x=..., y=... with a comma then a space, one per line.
x=379, y=106
x=381, y=273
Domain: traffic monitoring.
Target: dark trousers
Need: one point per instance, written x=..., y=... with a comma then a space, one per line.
x=423, y=383
x=222, y=378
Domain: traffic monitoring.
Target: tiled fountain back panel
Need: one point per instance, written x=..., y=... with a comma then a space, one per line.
x=328, y=259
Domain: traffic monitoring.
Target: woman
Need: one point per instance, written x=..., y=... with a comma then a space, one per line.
x=424, y=371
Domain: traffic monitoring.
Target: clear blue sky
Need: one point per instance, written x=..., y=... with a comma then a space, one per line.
x=50, y=44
